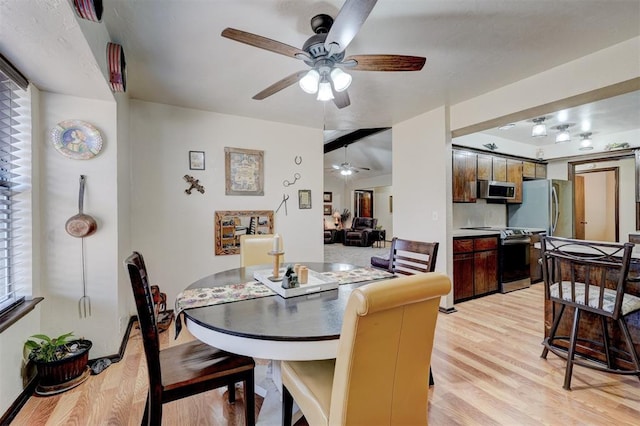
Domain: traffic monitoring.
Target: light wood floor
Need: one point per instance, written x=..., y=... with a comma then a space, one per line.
x=486, y=363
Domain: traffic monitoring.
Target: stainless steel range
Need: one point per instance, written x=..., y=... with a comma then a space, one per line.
x=514, y=271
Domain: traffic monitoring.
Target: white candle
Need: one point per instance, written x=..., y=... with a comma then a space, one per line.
x=276, y=243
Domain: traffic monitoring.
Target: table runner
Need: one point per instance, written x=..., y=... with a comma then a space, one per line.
x=208, y=296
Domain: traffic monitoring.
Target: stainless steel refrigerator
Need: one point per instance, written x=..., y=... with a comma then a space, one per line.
x=546, y=204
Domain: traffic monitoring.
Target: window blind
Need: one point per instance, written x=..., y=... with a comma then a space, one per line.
x=12, y=97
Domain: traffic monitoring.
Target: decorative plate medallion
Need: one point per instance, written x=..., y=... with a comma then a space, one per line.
x=117, y=68
x=76, y=139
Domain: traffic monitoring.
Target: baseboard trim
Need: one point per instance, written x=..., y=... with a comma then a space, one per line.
x=28, y=391
x=450, y=310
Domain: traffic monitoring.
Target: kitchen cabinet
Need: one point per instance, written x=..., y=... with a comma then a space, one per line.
x=475, y=267
x=531, y=170
x=464, y=176
x=485, y=167
x=499, y=169
x=514, y=175
x=528, y=169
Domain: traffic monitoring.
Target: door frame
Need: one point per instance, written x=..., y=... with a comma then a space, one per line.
x=616, y=173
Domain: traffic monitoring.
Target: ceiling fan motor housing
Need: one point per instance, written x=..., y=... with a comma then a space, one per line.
x=314, y=46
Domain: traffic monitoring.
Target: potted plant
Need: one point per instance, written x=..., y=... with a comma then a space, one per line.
x=58, y=359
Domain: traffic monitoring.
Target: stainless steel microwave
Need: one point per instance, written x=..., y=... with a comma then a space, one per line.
x=494, y=190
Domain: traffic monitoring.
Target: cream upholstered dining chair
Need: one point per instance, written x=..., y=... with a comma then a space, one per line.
x=254, y=249
x=383, y=358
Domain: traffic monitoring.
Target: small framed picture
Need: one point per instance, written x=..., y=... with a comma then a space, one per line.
x=304, y=199
x=327, y=209
x=328, y=197
x=196, y=160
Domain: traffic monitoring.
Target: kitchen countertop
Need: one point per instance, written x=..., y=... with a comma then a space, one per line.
x=460, y=233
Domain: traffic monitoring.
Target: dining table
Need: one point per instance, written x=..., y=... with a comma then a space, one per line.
x=232, y=311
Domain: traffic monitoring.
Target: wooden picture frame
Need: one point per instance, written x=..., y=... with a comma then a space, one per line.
x=327, y=197
x=244, y=171
x=327, y=210
x=229, y=225
x=304, y=199
x=196, y=160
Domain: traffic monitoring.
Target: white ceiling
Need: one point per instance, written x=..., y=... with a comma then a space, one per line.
x=175, y=54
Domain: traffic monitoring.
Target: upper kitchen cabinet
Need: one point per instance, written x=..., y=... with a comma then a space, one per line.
x=531, y=170
x=492, y=167
x=514, y=175
x=465, y=170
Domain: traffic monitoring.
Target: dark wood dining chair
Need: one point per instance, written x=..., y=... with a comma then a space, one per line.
x=590, y=278
x=186, y=369
x=410, y=257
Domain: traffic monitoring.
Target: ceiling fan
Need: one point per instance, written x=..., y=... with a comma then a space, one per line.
x=324, y=52
x=345, y=168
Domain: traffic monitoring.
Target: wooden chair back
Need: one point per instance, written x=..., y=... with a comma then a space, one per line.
x=410, y=257
x=147, y=321
x=585, y=274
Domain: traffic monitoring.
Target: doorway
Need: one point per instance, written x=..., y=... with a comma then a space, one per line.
x=362, y=203
x=597, y=204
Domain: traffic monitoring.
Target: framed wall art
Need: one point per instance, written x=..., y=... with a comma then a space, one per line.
x=196, y=160
x=327, y=210
x=304, y=199
x=244, y=171
x=327, y=197
x=231, y=224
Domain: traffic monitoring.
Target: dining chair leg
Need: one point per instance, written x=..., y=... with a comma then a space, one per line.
x=552, y=332
x=605, y=342
x=231, y=391
x=632, y=351
x=145, y=415
x=572, y=350
x=250, y=399
x=287, y=407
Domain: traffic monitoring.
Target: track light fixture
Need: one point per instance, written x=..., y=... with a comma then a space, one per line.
x=539, y=128
x=563, y=133
x=586, y=143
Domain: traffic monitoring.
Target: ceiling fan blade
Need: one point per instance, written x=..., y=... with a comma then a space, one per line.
x=279, y=85
x=348, y=23
x=384, y=63
x=263, y=43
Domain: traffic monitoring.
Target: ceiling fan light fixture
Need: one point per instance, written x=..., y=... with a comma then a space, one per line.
x=345, y=172
x=341, y=79
x=539, y=128
x=309, y=83
x=563, y=135
x=324, y=91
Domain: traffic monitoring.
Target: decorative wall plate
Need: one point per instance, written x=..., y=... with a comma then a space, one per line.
x=117, y=68
x=76, y=139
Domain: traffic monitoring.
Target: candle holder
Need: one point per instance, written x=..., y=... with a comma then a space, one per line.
x=276, y=265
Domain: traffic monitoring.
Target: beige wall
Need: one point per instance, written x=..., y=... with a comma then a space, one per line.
x=175, y=231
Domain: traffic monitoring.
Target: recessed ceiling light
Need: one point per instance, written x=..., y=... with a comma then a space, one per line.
x=507, y=126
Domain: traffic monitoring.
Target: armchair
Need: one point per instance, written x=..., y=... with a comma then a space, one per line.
x=360, y=233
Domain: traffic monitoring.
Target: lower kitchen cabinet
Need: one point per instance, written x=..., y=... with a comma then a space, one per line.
x=475, y=267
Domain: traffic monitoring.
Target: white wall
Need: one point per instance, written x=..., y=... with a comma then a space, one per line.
x=62, y=253
x=421, y=183
x=173, y=230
